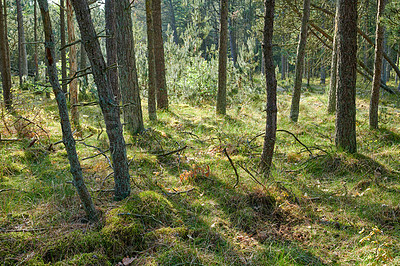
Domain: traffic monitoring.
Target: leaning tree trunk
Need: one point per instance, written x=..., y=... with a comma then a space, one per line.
x=68, y=138
x=270, y=131
x=347, y=76
x=223, y=49
x=379, y=36
x=111, y=47
x=63, y=43
x=107, y=102
x=23, y=60
x=73, y=67
x=5, y=58
x=128, y=78
x=162, y=93
x=332, y=84
x=151, y=62
x=294, y=109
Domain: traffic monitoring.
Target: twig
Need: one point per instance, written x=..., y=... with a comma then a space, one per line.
x=252, y=176
x=290, y=133
x=234, y=168
x=172, y=152
x=94, y=156
x=70, y=44
x=101, y=153
x=24, y=230
x=180, y=192
x=9, y=140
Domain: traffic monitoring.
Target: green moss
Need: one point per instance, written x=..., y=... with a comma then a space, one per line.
x=86, y=259
x=167, y=234
x=14, y=244
x=179, y=255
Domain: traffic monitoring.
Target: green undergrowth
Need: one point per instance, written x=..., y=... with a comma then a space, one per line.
x=320, y=206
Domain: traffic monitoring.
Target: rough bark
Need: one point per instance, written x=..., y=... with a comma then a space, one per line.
x=23, y=60
x=5, y=58
x=68, y=138
x=111, y=47
x=151, y=62
x=73, y=67
x=294, y=109
x=108, y=105
x=347, y=75
x=63, y=43
x=379, y=36
x=270, y=131
x=128, y=79
x=332, y=84
x=162, y=93
x=223, y=49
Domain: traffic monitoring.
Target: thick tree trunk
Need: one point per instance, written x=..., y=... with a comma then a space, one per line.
x=347, y=76
x=294, y=109
x=270, y=131
x=63, y=43
x=108, y=105
x=333, y=81
x=68, y=138
x=111, y=47
x=23, y=61
x=223, y=49
x=379, y=36
x=162, y=93
x=173, y=21
x=128, y=79
x=5, y=58
x=73, y=67
x=151, y=62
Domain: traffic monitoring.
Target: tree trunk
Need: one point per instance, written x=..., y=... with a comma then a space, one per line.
x=294, y=110
x=35, y=57
x=151, y=62
x=5, y=58
x=111, y=47
x=398, y=62
x=347, y=76
x=83, y=65
x=23, y=61
x=107, y=102
x=73, y=67
x=128, y=79
x=63, y=43
x=223, y=48
x=68, y=138
x=379, y=36
x=283, y=67
x=333, y=81
x=270, y=131
x=384, y=63
x=162, y=93
x=173, y=22
x=232, y=42
x=323, y=71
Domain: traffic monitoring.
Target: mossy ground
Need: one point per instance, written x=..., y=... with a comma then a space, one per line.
x=324, y=208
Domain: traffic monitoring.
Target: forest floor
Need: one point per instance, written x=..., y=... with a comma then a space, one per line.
x=320, y=206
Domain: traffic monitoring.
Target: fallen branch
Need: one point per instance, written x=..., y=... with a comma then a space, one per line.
x=101, y=153
x=290, y=133
x=180, y=192
x=9, y=140
x=252, y=176
x=234, y=168
x=172, y=152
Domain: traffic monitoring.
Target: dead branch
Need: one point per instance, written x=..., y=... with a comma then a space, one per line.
x=172, y=152
x=101, y=153
x=252, y=176
x=290, y=133
x=180, y=192
x=234, y=168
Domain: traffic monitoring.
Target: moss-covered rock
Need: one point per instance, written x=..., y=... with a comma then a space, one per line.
x=86, y=259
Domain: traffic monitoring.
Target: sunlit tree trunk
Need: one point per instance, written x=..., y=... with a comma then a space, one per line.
x=294, y=109
x=23, y=60
x=347, y=76
x=223, y=49
x=379, y=36
x=151, y=62
x=5, y=57
x=68, y=138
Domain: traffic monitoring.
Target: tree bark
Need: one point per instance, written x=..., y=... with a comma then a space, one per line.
x=108, y=105
x=333, y=81
x=68, y=138
x=151, y=62
x=63, y=43
x=111, y=47
x=73, y=67
x=270, y=131
x=294, y=110
x=379, y=36
x=22, y=61
x=347, y=76
x=5, y=57
x=162, y=93
x=128, y=78
x=223, y=49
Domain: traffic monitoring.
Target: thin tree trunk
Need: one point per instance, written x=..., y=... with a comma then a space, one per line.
x=63, y=43
x=162, y=93
x=111, y=47
x=223, y=49
x=35, y=57
x=5, y=58
x=283, y=67
x=398, y=62
x=108, y=105
x=73, y=67
x=270, y=130
x=384, y=63
x=347, y=76
x=151, y=62
x=323, y=70
x=173, y=22
x=379, y=40
x=232, y=42
x=333, y=81
x=82, y=66
x=22, y=61
x=128, y=79
x=295, y=106
x=366, y=23
x=68, y=138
